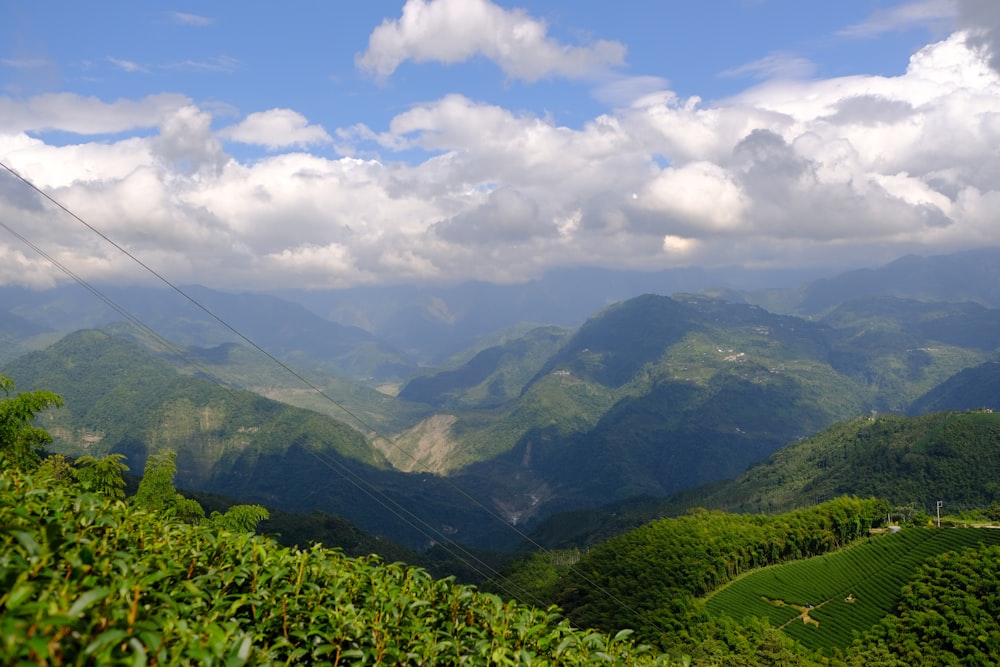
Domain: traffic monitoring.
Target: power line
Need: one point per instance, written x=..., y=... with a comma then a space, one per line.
x=360, y=482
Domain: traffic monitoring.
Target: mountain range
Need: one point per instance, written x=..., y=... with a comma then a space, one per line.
x=532, y=406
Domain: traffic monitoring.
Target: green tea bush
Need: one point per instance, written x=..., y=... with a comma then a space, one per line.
x=87, y=580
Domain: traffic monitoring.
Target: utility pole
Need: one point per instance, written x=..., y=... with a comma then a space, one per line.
x=939, y=504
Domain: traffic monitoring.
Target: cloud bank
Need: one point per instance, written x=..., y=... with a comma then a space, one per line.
x=791, y=172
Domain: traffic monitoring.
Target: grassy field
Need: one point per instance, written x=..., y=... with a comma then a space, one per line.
x=824, y=602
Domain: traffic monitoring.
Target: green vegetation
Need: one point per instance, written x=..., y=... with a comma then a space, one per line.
x=492, y=376
x=656, y=571
x=948, y=456
x=20, y=440
x=89, y=580
x=948, y=614
x=825, y=602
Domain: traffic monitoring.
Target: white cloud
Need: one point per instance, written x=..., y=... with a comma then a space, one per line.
x=186, y=141
x=68, y=112
x=918, y=14
x=221, y=63
x=190, y=19
x=277, y=128
x=789, y=172
x=698, y=198
x=775, y=66
x=24, y=63
x=127, y=65
x=452, y=31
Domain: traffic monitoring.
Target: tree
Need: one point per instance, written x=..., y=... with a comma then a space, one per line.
x=156, y=490
x=157, y=493
x=104, y=475
x=20, y=440
x=56, y=470
x=239, y=518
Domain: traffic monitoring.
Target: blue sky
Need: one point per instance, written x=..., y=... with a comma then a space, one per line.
x=332, y=144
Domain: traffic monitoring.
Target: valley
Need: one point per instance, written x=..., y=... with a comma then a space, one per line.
x=546, y=438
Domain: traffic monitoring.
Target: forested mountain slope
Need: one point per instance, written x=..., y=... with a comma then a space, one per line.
x=648, y=397
x=656, y=394
x=121, y=398
x=912, y=462
x=976, y=387
x=949, y=456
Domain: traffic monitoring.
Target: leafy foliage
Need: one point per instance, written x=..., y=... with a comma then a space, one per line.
x=657, y=570
x=948, y=614
x=89, y=580
x=103, y=475
x=20, y=439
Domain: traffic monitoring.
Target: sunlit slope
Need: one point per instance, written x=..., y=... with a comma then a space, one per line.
x=949, y=456
x=657, y=394
x=121, y=398
x=823, y=602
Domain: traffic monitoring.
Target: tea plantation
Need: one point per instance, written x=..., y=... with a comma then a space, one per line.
x=826, y=601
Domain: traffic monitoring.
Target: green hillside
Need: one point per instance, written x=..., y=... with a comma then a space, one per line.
x=650, y=396
x=492, y=376
x=656, y=394
x=976, y=387
x=121, y=398
x=948, y=456
x=826, y=601
x=657, y=570
x=911, y=461
x=238, y=366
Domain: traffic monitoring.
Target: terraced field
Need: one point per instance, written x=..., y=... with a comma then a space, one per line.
x=823, y=602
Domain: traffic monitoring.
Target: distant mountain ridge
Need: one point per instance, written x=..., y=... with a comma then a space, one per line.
x=971, y=275
x=911, y=462
x=121, y=398
x=286, y=330
x=648, y=396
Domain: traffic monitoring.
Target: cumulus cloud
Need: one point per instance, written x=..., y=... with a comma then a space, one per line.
x=789, y=172
x=981, y=18
x=277, y=128
x=507, y=216
x=700, y=198
x=452, y=31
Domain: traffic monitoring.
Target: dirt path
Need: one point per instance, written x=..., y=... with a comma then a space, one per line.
x=803, y=612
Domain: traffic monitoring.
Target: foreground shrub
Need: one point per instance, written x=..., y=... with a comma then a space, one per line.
x=85, y=579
